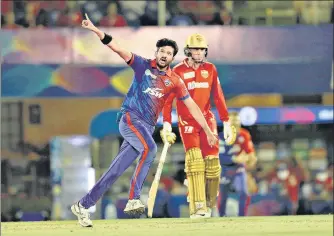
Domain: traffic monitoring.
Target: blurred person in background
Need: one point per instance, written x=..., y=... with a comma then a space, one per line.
x=285, y=185
x=297, y=167
x=223, y=17
x=113, y=18
x=31, y=14
x=42, y=18
x=64, y=18
x=138, y=7
x=5, y=173
x=180, y=18
x=92, y=9
x=234, y=159
x=132, y=10
x=252, y=186
x=298, y=7
x=202, y=81
x=322, y=192
x=3, y=21
x=150, y=16
x=10, y=22
x=69, y=16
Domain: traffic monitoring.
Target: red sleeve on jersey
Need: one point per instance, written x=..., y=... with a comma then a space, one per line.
x=247, y=145
x=219, y=98
x=167, y=109
x=181, y=90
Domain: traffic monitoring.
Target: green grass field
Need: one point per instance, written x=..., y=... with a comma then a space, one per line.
x=255, y=226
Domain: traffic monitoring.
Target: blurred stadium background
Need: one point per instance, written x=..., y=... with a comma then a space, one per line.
x=61, y=89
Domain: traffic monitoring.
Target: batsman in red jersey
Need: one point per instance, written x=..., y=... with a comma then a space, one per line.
x=202, y=165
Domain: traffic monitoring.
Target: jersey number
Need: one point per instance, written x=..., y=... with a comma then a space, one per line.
x=188, y=129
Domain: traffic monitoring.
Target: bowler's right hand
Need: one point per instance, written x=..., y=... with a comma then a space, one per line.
x=87, y=24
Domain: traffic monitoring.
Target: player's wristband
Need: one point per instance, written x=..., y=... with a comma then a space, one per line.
x=107, y=39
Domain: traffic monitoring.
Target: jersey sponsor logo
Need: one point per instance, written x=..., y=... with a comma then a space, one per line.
x=193, y=85
x=189, y=75
x=149, y=73
x=188, y=129
x=154, y=91
x=204, y=74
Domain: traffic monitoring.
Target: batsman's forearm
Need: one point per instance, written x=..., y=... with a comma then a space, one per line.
x=222, y=109
x=219, y=98
x=113, y=45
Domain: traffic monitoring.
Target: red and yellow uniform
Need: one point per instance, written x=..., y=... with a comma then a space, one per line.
x=202, y=159
x=201, y=83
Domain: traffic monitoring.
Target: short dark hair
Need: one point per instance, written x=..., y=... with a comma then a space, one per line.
x=168, y=42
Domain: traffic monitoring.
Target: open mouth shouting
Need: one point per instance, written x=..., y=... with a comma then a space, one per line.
x=163, y=60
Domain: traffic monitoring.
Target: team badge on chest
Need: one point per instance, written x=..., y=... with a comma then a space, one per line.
x=167, y=82
x=204, y=74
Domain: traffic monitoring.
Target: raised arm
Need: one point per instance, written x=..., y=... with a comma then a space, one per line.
x=107, y=40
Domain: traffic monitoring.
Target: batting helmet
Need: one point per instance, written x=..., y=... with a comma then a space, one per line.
x=195, y=41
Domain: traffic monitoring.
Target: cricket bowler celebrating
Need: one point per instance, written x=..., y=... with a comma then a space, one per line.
x=153, y=82
x=202, y=165
x=234, y=159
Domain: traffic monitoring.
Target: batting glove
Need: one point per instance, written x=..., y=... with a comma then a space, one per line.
x=230, y=133
x=166, y=133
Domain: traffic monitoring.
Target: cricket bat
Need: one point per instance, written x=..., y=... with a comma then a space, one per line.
x=155, y=185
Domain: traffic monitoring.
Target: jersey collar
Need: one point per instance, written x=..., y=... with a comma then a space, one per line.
x=185, y=61
x=154, y=65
